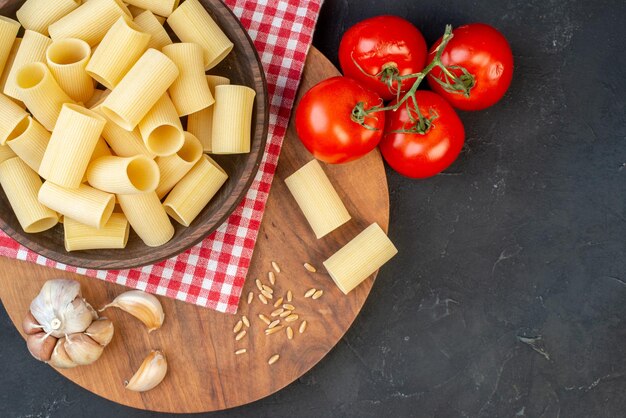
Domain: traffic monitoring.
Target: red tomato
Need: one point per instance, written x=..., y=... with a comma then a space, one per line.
x=484, y=53
x=421, y=155
x=379, y=42
x=324, y=120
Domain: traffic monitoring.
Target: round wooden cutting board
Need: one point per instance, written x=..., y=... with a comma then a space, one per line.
x=204, y=372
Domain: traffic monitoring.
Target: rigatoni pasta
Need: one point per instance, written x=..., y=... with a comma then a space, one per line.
x=31, y=143
x=6, y=153
x=119, y=50
x=67, y=60
x=159, y=7
x=232, y=118
x=11, y=116
x=37, y=15
x=359, y=258
x=161, y=129
x=144, y=84
x=7, y=68
x=147, y=218
x=89, y=22
x=40, y=92
x=84, y=204
x=149, y=23
x=190, y=91
x=317, y=198
x=8, y=34
x=113, y=234
x=187, y=199
x=71, y=146
x=97, y=97
x=200, y=123
x=174, y=167
x=192, y=23
x=32, y=49
x=21, y=186
x=124, y=175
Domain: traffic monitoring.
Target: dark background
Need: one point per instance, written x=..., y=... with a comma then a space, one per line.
x=508, y=296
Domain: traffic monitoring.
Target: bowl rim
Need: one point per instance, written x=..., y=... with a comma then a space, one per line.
x=75, y=260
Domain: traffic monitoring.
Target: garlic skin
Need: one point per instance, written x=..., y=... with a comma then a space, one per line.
x=101, y=331
x=30, y=325
x=141, y=305
x=59, y=308
x=150, y=373
x=81, y=349
x=41, y=345
x=59, y=358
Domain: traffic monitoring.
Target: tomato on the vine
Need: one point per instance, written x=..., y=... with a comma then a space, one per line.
x=326, y=125
x=485, y=54
x=377, y=50
x=422, y=151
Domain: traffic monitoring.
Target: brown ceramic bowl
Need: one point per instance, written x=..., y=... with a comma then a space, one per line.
x=242, y=66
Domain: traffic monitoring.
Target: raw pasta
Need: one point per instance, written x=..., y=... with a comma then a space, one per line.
x=32, y=49
x=71, y=146
x=97, y=97
x=120, y=49
x=67, y=60
x=147, y=218
x=140, y=89
x=123, y=143
x=190, y=92
x=149, y=23
x=232, y=119
x=21, y=186
x=159, y=7
x=317, y=198
x=174, y=167
x=6, y=153
x=8, y=34
x=161, y=129
x=124, y=175
x=12, y=118
x=37, y=15
x=187, y=199
x=192, y=23
x=114, y=234
x=30, y=143
x=201, y=123
x=84, y=204
x=359, y=258
x=8, y=66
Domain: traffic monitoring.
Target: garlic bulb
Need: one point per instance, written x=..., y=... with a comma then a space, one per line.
x=59, y=358
x=101, y=331
x=82, y=349
x=60, y=309
x=150, y=373
x=142, y=306
x=41, y=345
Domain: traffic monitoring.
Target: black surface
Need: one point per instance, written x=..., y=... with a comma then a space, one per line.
x=525, y=236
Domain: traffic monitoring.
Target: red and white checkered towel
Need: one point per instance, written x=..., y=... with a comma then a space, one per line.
x=212, y=273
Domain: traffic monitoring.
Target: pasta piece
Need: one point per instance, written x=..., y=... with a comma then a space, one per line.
x=6, y=153
x=8, y=66
x=67, y=60
x=140, y=89
x=114, y=234
x=37, y=15
x=89, y=22
x=158, y=7
x=194, y=191
x=317, y=198
x=124, y=175
x=84, y=204
x=161, y=129
x=190, y=92
x=100, y=150
x=30, y=143
x=41, y=93
x=97, y=96
x=32, y=49
x=21, y=186
x=192, y=23
x=232, y=119
x=12, y=118
x=71, y=146
x=359, y=258
x=201, y=123
x=120, y=49
x=8, y=34
x=174, y=167
x=150, y=23
x=147, y=218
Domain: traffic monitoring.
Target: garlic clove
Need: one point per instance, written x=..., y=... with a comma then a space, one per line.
x=59, y=358
x=101, y=331
x=150, y=373
x=94, y=313
x=141, y=305
x=82, y=349
x=30, y=325
x=41, y=345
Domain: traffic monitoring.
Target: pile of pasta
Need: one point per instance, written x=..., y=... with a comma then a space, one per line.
x=90, y=116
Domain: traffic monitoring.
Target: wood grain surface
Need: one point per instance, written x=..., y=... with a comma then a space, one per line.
x=204, y=373
x=241, y=66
